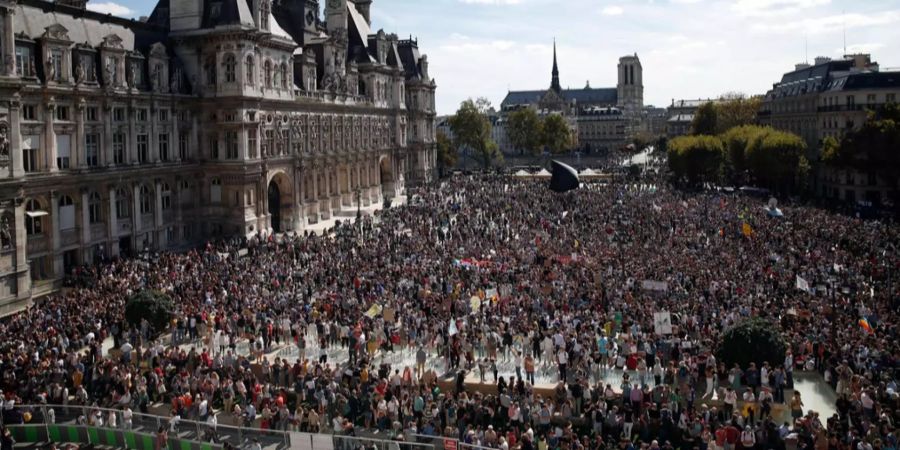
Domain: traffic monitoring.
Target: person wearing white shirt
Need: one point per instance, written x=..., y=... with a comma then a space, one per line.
x=127, y=418
x=562, y=358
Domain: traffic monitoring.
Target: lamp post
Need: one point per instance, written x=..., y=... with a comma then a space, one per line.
x=358, y=204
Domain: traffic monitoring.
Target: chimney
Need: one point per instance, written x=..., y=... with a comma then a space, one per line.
x=801, y=66
x=822, y=60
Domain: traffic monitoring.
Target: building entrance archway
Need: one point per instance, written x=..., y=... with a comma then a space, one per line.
x=275, y=206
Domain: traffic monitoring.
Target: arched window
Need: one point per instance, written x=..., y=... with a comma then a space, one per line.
x=285, y=78
x=210, y=68
x=251, y=71
x=268, y=74
x=34, y=218
x=123, y=203
x=230, y=68
x=95, y=208
x=146, y=197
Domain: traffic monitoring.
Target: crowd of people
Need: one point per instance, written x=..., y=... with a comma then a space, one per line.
x=485, y=270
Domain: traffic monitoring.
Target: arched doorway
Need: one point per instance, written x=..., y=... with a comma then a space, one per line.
x=386, y=172
x=275, y=206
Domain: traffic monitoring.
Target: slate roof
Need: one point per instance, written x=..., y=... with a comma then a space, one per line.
x=409, y=59
x=582, y=96
x=868, y=80
x=811, y=79
x=81, y=30
x=226, y=12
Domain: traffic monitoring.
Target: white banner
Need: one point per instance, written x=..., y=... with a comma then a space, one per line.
x=662, y=322
x=650, y=285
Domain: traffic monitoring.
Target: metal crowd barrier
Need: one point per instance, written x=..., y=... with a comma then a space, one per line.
x=93, y=425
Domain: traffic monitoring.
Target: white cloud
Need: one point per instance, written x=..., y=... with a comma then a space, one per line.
x=768, y=8
x=860, y=48
x=833, y=23
x=612, y=10
x=491, y=2
x=110, y=8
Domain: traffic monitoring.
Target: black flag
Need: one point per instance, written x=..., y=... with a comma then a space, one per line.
x=565, y=178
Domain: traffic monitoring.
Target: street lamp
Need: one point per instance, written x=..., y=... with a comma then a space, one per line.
x=358, y=204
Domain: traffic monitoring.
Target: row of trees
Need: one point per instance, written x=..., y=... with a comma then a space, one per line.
x=726, y=148
x=873, y=148
x=530, y=132
x=471, y=127
x=762, y=155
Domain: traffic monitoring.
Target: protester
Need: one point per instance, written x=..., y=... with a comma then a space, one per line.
x=478, y=280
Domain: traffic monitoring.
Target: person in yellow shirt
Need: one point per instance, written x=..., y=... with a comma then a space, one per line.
x=77, y=378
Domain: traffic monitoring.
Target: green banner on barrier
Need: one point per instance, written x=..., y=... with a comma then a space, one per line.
x=99, y=436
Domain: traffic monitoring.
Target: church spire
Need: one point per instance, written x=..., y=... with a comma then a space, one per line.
x=554, y=84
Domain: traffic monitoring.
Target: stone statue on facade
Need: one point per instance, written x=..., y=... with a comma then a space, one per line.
x=49, y=69
x=4, y=147
x=5, y=234
x=79, y=74
x=175, y=83
x=110, y=74
x=155, y=80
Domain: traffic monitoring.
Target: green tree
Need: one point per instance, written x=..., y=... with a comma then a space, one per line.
x=697, y=158
x=472, y=129
x=705, y=120
x=736, y=110
x=873, y=148
x=751, y=341
x=831, y=151
x=736, y=141
x=775, y=157
x=525, y=129
x=557, y=136
x=447, y=154
x=154, y=306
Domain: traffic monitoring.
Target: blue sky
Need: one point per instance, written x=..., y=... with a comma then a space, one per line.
x=688, y=48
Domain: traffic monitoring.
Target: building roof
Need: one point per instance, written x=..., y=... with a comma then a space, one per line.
x=409, y=58
x=218, y=13
x=587, y=95
x=809, y=79
x=867, y=80
x=682, y=118
x=80, y=30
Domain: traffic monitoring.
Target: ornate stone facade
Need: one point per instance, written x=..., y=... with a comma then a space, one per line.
x=211, y=118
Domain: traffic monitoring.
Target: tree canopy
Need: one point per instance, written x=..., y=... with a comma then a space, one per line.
x=447, y=154
x=736, y=110
x=154, y=306
x=751, y=341
x=773, y=159
x=472, y=129
x=776, y=158
x=730, y=111
x=705, y=120
x=697, y=158
x=525, y=130
x=873, y=148
x=557, y=136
